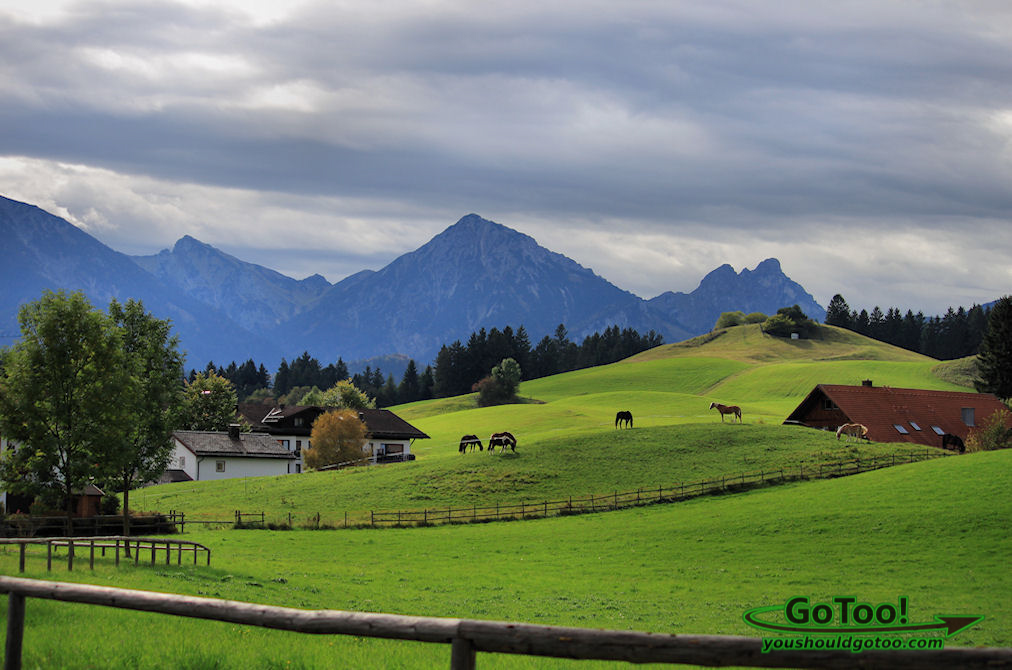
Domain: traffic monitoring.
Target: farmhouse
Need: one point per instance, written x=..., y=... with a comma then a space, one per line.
x=199, y=455
x=388, y=437
x=894, y=414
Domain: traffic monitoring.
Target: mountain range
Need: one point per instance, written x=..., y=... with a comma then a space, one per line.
x=475, y=274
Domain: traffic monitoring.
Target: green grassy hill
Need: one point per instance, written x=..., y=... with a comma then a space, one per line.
x=936, y=532
x=567, y=441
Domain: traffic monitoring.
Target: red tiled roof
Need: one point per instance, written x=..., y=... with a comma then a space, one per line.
x=917, y=411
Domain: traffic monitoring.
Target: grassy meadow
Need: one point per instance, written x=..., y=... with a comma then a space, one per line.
x=936, y=532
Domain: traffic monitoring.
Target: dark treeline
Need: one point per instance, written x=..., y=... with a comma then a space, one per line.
x=458, y=366
x=955, y=334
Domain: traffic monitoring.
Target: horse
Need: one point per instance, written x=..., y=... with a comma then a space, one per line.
x=502, y=440
x=953, y=443
x=471, y=441
x=727, y=409
x=623, y=418
x=854, y=430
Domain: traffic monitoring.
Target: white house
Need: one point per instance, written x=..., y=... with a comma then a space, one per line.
x=199, y=455
x=388, y=437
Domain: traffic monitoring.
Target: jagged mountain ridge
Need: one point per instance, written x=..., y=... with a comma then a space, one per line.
x=43, y=251
x=255, y=297
x=475, y=274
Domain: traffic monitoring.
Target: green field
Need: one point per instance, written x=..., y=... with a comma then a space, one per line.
x=936, y=532
x=568, y=445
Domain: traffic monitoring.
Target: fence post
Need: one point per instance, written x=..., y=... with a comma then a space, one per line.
x=91, y=557
x=70, y=556
x=462, y=654
x=16, y=631
x=21, y=558
x=49, y=556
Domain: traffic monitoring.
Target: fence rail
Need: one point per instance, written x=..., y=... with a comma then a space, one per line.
x=642, y=496
x=468, y=637
x=116, y=543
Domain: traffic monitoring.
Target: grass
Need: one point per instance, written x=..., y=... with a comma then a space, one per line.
x=935, y=532
x=551, y=469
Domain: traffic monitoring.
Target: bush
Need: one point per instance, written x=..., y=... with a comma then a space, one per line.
x=755, y=317
x=730, y=319
x=492, y=391
x=994, y=433
x=790, y=320
x=110, y=504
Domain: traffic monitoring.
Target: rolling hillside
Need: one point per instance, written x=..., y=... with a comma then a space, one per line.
x=935, y=532
x=567, y=441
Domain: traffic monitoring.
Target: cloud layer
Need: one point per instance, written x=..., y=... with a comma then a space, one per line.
x=866, y=145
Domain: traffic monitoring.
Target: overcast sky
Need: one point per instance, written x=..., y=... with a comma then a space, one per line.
x=867, y=144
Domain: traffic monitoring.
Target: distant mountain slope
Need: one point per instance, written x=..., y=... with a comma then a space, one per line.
x=251, y=295
x=765, y=289
x=42, y=251
x=474, y=274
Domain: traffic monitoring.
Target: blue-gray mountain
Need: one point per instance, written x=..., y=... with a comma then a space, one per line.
x=475, y=274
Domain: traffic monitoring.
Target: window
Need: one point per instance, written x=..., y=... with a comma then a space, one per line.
x=828, y=404
x=219, y=466
x=298, y=468
x=298, y=445
x=287, y=444
x=938, y=431
x=968, y=416
x=298, y=422
x=900, y=429
x=182, y=461
x=914, y=426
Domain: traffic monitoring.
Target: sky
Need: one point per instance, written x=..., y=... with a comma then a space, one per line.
x=867, y=145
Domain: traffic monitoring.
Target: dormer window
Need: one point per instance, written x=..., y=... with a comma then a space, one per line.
x=298, y=422
x=968, y=416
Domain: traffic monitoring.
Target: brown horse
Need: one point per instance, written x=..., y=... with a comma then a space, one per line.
x=854, y=430
x=502, y=440
x=623, y=418
x=471, y=441
x=727, y=409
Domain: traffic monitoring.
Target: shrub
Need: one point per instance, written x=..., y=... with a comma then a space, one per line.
x=994, y=433
x=789, y=320
x=730, y=319
x=110, y=504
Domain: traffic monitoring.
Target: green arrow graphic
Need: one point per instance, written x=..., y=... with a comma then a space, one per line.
x=950, y=624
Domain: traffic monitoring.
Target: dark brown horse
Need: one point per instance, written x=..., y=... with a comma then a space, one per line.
x=727, y=409
x=502, y=440
x=471, y=441
x=623, y=418
x=953, y=443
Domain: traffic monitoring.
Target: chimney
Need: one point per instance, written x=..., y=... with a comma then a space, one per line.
x=866, y=383
x=233, y=431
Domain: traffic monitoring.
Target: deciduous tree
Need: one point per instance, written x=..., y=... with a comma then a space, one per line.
x=63, y=389
x=337, y=437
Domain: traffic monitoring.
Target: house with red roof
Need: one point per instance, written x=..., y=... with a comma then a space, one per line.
x=891, y=414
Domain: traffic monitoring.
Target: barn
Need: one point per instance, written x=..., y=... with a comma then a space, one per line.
x=891, y=414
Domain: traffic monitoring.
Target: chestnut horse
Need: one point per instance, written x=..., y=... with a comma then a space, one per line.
x=623, y=418
x=727, y=409
x=854, y=430
x=502, y=440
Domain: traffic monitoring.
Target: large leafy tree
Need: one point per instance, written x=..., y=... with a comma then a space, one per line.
x=63, y=389
x=209, y=403
x=994, y=360
x=156, y=368
x=337, y=438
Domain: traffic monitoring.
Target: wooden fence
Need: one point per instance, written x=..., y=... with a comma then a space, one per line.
x=179, y=519
x=28, y=525
x=116, y=543
x=661, y=494
x=468, y=637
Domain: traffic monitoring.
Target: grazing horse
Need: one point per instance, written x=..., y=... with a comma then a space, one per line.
x=623, y=418
x=727, y=409
x=854, y=430
x=502, y=440
x=953, y=443
x=471, y=441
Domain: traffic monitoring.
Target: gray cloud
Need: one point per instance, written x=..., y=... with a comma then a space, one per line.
x=717, y=129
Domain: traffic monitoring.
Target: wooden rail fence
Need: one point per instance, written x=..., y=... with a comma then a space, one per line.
x=116, y=543
x=661, y=494
x=468, y=637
